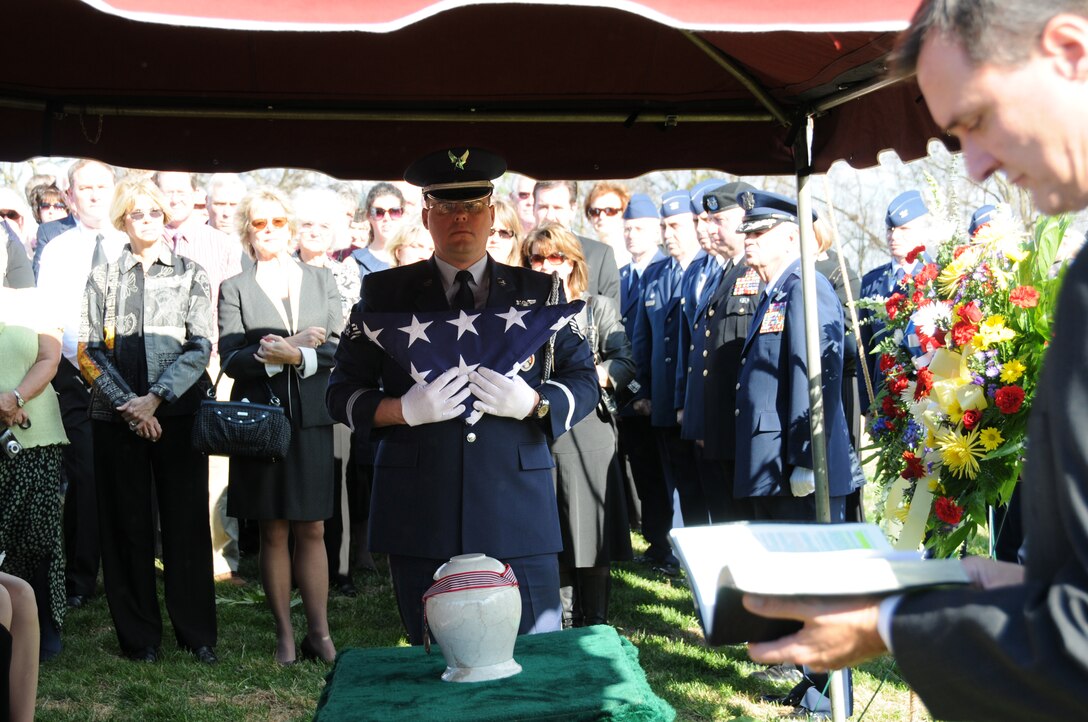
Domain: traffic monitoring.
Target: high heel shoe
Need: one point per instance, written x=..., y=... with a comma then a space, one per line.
x=310, y=652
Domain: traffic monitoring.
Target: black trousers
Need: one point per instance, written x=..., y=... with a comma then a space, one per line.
x=638, y=448
x=127, y=467
x=538, y=582
x=682, y=474
x=80, y=520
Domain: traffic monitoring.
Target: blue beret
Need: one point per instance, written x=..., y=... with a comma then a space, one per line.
x=641, y=206
x=456, y=174
x=699, y=190
x=674, y=203
x=904, y=208
x=724, y=197
x=981, y=217
x=764, y=210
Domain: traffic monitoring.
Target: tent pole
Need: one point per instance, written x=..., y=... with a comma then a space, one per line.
x=730, y=66
x=803, y=162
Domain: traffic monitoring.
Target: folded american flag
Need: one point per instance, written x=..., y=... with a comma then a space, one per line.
x=426, y=344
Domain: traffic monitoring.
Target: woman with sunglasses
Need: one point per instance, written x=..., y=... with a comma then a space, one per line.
x=604, y=207
x=279, y=323
x=504, y=242
x=592, y=502
x=384, y=211
x=143, y=348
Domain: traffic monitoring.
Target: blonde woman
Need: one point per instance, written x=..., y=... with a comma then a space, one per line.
x=279, y=323
x=411, y=244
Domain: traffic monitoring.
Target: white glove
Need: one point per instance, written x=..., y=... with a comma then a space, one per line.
x=439, y=400
x=802, y=481
x=500, y=395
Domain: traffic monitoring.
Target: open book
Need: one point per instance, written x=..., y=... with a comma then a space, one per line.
x=723, y=561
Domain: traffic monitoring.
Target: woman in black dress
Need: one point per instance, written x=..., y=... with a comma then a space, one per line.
x=279, y=323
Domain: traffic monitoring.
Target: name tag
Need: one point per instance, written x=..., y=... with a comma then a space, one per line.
x=651, y=301
x=774, y=320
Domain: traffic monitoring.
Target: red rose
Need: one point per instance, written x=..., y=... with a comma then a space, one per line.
x=887, y=361
x=963, y=332
x=897, y=384
x=1009, y=399
x=1024, y=297
x=914, y=253
x=924, y=385
x=916, y=298
x=915, y=468
x=947, y=510
x=889, y=408
x=894, y=304
x=970, y=312
x=971, y=417
x=928, y=273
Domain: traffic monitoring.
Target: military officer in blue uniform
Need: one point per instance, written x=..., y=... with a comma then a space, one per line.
x=717, y=338
x=442, y=487
x=637, y=443
x=656, y=349
x=908, y=226
x=774, y=448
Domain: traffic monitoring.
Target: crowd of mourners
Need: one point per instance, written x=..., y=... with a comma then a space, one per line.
x=130, y=296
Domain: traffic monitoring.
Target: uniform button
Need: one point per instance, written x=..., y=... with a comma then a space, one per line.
x=711, y=312
x=705, y=372
x=691, y=347
x=668, y=359
x=666, y=339
x=668, y=319
x=738, y=387
x=742, y=361
x=624, y=319
x=708, y=333
x=683, y=301
x=705, y=354
x=689, y=369
x=471, y=437
x=697, y=325
x=736, y=412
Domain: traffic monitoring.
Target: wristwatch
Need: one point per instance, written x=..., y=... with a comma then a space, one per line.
x=19, y=400
x=542, y=408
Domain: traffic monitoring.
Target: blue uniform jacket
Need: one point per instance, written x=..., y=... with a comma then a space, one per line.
x=691, y=371
x=446, y=488
x=772, y=395
x=655, y=340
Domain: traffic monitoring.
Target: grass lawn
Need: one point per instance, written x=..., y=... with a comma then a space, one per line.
x=90, y=681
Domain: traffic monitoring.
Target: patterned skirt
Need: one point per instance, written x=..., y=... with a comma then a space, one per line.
x=30, y=520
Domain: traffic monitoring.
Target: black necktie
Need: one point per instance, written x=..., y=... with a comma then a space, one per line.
x=464, y=299
x=99, y=257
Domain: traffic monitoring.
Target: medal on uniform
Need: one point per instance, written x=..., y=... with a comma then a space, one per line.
x=774, y=320
x=748, y=284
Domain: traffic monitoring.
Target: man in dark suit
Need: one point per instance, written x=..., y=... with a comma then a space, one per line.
x=655, y=345
x=637, y=445
x=1015, y=647
x=908, y=224
x=728, y=314
x=442, y=488
x=555, y=201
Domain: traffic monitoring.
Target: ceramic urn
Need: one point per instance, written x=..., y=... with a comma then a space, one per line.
x=473, y=611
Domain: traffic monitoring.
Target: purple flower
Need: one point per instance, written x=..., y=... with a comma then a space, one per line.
x=977, y=380
x=992, y=370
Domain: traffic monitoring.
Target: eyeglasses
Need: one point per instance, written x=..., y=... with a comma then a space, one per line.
x=502, y=233
x=58, y=206
x=554, y=258
x=259, y=224
x=10, y=215
x=447, y=208
x=394, y=213
x=155, y=213
x=610, y=212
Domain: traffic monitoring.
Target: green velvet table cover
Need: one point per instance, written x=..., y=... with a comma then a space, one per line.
x=578, y=674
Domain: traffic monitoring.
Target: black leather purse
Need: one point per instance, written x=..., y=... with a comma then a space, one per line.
x=241, y=428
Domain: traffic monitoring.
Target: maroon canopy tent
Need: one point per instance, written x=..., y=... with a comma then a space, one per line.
x=357, y=89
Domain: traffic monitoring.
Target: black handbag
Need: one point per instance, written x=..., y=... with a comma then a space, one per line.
x=241, y=428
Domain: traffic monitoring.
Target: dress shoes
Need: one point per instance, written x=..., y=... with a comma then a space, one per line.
x=205, y=655
x=144, y=654
x=667, y=568
x=310, y=652
x=344, y=585
x=75, y=601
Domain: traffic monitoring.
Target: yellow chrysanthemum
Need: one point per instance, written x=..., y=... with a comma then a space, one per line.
x=993, y=331
x=960, y=453
x=1011, y=371
x=935, y=485
x=991, y=438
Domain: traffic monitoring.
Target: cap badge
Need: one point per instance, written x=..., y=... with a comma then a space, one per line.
x=458, y=161
x=711, y=203
x=747, y=201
